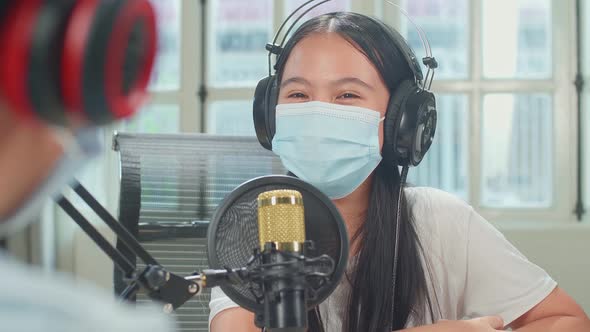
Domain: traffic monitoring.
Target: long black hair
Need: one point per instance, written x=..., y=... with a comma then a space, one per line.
x=370, y=300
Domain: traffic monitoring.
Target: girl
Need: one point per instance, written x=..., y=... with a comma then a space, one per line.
x=339, y=70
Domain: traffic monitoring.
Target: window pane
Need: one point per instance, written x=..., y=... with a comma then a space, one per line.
x=328, y=7
x=155, y=119
x=231, y=118
x=166, y=73
x=291, y=5
x=517, y=153
x=446, y=25
x=445, y=165
x=240, y=31
x=517, y=39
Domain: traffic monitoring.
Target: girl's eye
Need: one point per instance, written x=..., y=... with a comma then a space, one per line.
x=348, y=95
x=297, y=95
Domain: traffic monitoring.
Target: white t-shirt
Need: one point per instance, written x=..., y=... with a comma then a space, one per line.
x=32, y=300
x=475, y=270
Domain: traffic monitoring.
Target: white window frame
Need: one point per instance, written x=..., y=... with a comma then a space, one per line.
x=585, y=30
x=564, y=117
x=185, y=96
x=475, y=86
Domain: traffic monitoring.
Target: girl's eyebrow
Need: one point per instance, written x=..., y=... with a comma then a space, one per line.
x=296, y=79
x=353, y=80
x=340, y=81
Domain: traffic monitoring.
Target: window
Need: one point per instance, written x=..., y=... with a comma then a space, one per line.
x=237, y=38
x=502, y=87
x=446, y=24
x=168, y=85
x=166, y=75
x=524, y=38
x=331, y=6
x=155, y=119
x=446, y=163
x=497, y=87
x=233, y=117
x=517, y=150
x=238, y=60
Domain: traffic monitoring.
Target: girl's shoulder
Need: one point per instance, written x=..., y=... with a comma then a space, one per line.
x=438, y=214
x=434, y=203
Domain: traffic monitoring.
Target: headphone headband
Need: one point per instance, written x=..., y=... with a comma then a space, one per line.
x=405, y=49
x=410, y=118
x=429, y=61
x=277, y=49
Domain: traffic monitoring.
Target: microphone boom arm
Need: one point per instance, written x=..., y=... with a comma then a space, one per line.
x=158, y=283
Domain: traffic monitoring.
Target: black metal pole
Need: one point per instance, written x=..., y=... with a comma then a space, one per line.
x=202, y=93
x=120, y=261
x=122, y=233
x=579, y=83
x=202, y=213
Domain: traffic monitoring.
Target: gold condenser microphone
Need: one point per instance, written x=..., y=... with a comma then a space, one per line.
x=281, y=220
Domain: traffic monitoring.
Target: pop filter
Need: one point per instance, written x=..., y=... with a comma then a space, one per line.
x=233, y=235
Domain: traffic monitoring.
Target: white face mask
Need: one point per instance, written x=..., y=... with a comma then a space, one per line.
x=78, y=149
x=333, y=147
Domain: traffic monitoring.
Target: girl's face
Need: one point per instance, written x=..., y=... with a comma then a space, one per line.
x=325, y=67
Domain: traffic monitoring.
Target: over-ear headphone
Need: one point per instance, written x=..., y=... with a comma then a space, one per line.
x=410, y=120
x=88, y=60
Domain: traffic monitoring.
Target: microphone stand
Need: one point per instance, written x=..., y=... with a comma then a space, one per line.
x=156, y=281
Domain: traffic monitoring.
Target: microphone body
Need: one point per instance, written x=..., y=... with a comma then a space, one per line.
x=284, y=296
x=281, y=227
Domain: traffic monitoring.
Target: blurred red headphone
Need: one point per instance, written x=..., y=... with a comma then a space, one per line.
x=89, y=60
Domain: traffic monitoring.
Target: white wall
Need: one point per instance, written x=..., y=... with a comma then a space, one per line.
x=562, y=250
x=89, y=263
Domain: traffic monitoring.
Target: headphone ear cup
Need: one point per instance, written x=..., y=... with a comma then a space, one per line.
x=17, y=37
x=43, y=74
x=265, y=102
x=395, y=110
x=425, y=126
x=108, y=55
x=3, y=9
